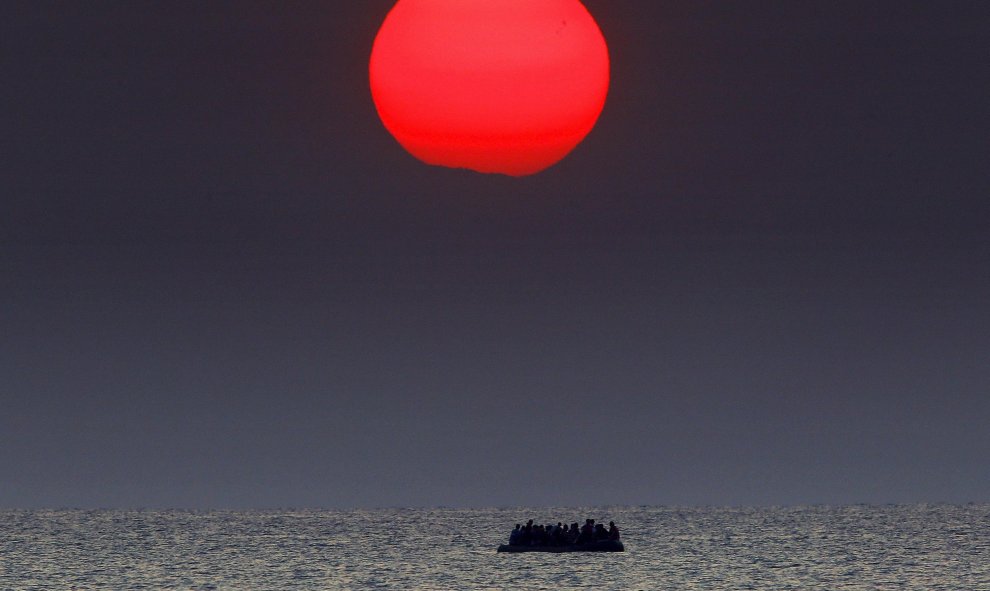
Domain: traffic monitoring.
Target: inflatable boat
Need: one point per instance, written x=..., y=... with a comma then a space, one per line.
x=599, y=546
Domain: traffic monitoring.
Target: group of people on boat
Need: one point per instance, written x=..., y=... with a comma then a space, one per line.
x=562, y=534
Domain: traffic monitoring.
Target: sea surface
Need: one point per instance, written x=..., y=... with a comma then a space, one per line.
x=923, y=547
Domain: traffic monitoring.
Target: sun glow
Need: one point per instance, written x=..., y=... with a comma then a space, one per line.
x=501, y=86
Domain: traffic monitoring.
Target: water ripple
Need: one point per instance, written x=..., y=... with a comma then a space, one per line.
x=918, y=547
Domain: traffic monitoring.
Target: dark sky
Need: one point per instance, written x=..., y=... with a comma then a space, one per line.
x=764, y=278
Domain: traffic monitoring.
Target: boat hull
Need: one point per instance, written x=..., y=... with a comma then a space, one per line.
x=602, y=546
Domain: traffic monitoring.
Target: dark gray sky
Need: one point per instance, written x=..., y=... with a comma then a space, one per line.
x=764, y=278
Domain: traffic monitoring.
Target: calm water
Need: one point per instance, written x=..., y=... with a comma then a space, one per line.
x=924, y=547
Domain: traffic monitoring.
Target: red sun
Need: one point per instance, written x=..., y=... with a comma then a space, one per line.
x=496, y=86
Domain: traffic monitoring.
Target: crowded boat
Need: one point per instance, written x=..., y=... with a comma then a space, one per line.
x=590, y=537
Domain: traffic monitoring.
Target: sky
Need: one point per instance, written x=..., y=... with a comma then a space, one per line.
x=763, y=279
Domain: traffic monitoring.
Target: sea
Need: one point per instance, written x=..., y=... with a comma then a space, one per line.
x=903, y=547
